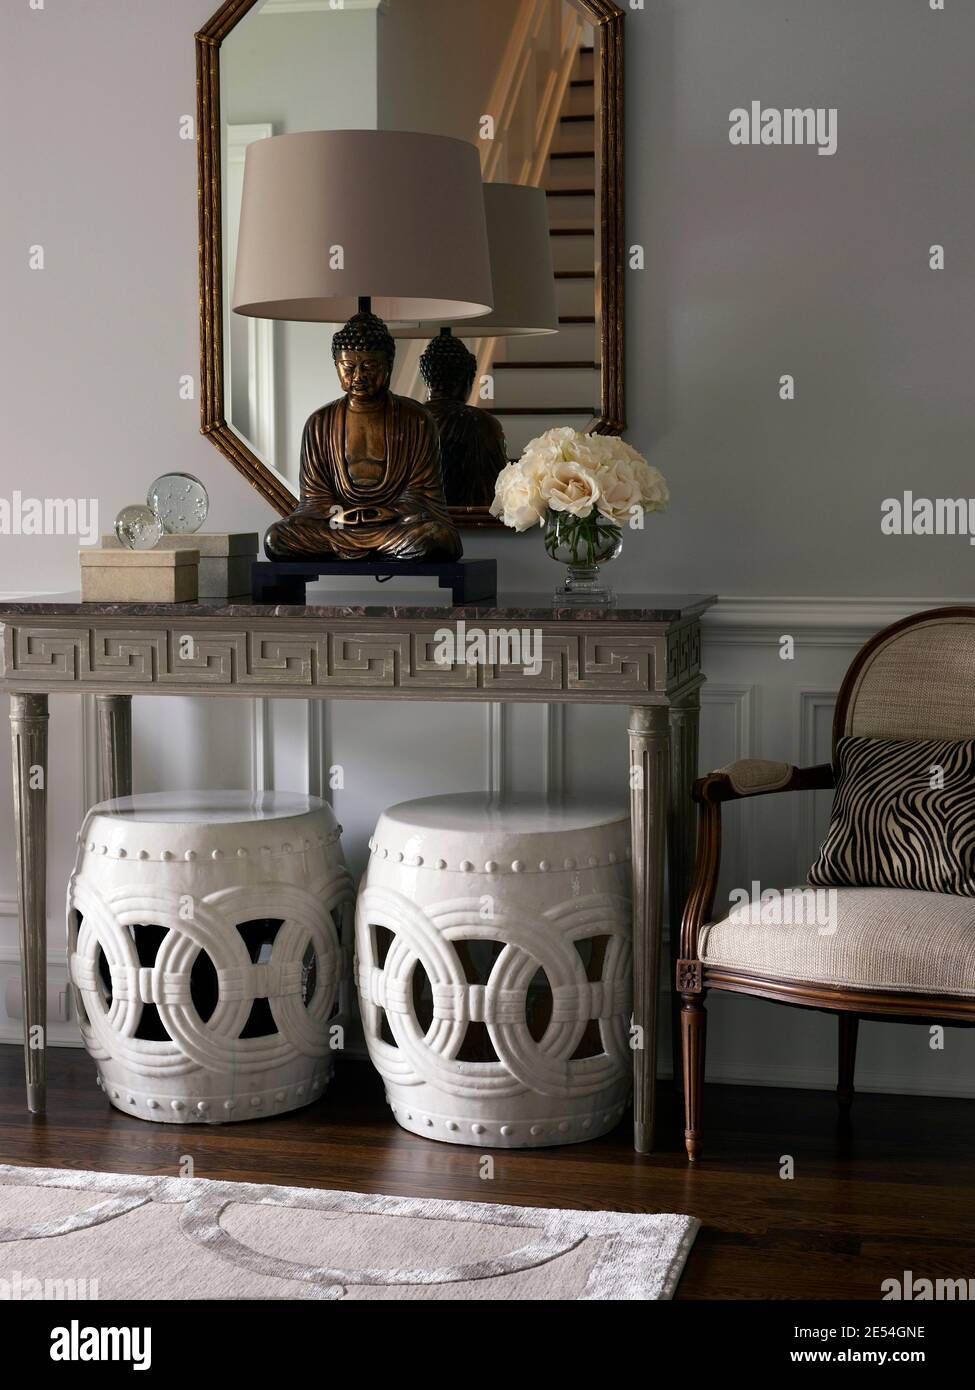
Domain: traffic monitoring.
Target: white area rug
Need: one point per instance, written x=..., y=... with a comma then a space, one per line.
x=112, y=1236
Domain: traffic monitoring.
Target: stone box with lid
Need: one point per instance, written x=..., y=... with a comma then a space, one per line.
x=225, y=559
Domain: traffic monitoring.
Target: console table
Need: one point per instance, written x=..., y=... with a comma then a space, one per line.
x=644, y=653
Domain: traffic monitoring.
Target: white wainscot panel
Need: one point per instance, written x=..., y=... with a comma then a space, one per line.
x=385, y=752
x=192, y=743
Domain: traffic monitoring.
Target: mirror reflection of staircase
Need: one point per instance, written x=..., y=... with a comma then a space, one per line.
x=554, y=380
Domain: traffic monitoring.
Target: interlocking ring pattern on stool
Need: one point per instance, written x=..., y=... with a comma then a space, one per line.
x=209, y=949
x=468, y=915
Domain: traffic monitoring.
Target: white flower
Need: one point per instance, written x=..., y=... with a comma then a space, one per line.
x=620, y=493
x=556, y=439
x=565, y=471
x=570, y=487
x=516, y=498
x=656, y=493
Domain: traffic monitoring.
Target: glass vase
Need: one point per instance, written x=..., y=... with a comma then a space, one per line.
x=582, y=544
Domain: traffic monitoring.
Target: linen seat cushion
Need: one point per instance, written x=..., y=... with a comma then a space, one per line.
x=903, y=816
x=876, y=938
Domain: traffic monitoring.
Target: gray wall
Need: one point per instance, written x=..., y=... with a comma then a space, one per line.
x=759, y=262
x=773, y=260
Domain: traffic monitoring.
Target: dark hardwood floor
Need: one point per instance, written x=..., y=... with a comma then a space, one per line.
x=894, y=1190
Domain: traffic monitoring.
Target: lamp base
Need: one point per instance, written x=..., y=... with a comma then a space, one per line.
x=370, y=485
x=283, y=582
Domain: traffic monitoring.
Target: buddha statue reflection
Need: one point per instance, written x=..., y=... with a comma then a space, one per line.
x=371, y=484
x=473, y=449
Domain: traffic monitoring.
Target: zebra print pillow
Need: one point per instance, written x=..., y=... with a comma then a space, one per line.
x=903, y=817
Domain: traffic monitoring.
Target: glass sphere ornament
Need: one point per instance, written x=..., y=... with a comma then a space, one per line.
x=138, y=527
x=180, y=501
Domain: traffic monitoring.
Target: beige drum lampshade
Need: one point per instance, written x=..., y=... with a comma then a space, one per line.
x=331, y=215
x=521, y=266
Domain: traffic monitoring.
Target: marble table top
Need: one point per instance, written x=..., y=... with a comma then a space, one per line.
x=506, y=608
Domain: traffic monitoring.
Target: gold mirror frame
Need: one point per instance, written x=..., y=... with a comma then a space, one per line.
x=608, y=17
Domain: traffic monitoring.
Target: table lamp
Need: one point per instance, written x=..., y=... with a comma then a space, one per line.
x=472, y=443
x=364, y=225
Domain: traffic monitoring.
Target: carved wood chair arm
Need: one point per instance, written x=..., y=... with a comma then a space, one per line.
x=758, y=777
x=749, y=777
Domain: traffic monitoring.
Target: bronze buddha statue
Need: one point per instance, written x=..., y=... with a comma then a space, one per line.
x=473, y=449
x=371, y=484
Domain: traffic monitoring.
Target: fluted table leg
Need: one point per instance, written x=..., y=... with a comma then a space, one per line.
x=685, y=736
x=649, y=732
x=28, y=727
x=114, y=745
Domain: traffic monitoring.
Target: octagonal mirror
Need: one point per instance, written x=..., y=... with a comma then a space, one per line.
x=535, y=85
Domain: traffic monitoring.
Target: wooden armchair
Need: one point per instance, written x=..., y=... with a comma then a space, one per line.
x=898, y=955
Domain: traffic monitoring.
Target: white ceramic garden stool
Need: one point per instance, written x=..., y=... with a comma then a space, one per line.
x=209, y=947
x=493, y=950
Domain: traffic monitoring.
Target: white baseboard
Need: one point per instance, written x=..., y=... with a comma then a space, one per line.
x=774, y=1077
x=10, y=1033
x=806, y=1078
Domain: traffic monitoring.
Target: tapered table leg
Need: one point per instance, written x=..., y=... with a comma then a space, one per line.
x=649, y=732
x=685, y=722
x=114, y=745
x=28, y=727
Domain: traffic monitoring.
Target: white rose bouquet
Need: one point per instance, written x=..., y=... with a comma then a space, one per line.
x=584, y=488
